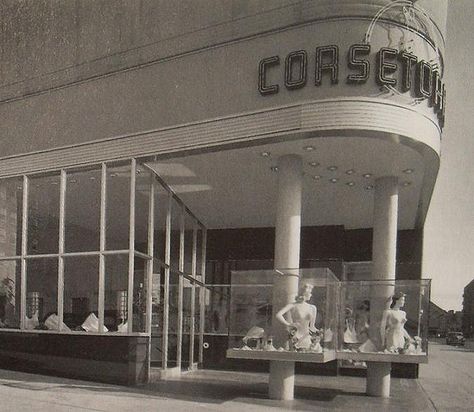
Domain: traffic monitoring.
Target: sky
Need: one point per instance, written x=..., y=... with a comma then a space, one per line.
x=448, y=255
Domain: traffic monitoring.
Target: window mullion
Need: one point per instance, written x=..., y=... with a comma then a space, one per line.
x=62, y=211
x=103, y=211
x=203, y=279
x=131, y=245
x=24, y=244
x=166, y=292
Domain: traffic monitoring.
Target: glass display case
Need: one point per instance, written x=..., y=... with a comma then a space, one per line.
x=286, y=315
x=383, y=321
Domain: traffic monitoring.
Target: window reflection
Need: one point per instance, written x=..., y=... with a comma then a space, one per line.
x=11, y=212
x=176, y=213
x=10, y=294
x=139, y=295
x=118, y=206
x=161, y=210
x=116, y=293
x=42, y=293
x=43, y=214
x=81, y=293
x=142, y=199
x=82, y=221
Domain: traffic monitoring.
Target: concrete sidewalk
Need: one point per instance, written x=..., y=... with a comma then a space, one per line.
x=203, y=390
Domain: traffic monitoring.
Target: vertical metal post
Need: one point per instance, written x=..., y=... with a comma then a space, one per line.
x=151, y=231
x=149, y=269
x=103, y=216
x=203, y=291
x=24, y=240
x=166, y=292
x=180, y=288
x=193, y=296
x=62, y=212
x=131, y=245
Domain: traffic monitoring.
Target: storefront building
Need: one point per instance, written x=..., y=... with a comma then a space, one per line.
x=149, y=149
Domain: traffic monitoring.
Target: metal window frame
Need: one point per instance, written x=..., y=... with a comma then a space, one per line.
x=179, y=339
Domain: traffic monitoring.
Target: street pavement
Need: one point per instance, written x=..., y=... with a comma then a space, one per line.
x=448, y=378
x=446, y=384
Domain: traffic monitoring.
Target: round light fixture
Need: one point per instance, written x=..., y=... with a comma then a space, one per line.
x=367, y=175
x=350, y=184
x=369, y=187
x=265, y=154
x=408, y=171
x=308, y=148
x=350, y=172
x=316, y=177
x=332, y=168
x=334, y=180
x=313, y=164
x=406, y=184
x=274, y=168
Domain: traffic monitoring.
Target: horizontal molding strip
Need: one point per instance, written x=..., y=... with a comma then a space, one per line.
x=317, y=118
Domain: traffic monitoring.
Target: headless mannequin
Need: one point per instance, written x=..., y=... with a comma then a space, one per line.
x=392, y=327
x=300, y=318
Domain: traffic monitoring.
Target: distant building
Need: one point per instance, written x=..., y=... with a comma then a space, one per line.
x=468, y=310
x=453, y=321
x=437, y=320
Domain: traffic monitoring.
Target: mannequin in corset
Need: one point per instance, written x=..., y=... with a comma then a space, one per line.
x=299, y=317
x=392, y=328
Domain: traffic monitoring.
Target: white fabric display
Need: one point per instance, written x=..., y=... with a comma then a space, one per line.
x=254, y=332
x=328, y=335
x=52, y=323
x=350, y=334
x=367, y=346
x=91, y=324
x=33, y=322
x=122, y=328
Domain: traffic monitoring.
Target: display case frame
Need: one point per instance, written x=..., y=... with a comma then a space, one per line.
x=399, y=330
x=253, y=296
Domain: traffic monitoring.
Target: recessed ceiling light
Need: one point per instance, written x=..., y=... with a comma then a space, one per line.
x=54, y=183
x=316, y=177
x=274, y=168
x=350, y=184
x=350, y=172
x=332, y=168
x=406, y=184
x=70, y=181
x=334, y=180
x=367, y=175
x=313, y=164
x=92, y=178
x=308, y=148
x=369, y=187
x=265, y=154
x=113, y=175
x=19, y=188
x=408, y=171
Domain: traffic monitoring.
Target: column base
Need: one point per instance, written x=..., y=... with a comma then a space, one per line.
x=378, y=379
x=281, y=382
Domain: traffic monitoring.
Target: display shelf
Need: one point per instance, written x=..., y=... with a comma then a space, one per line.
x=383, y=357
x=285, y=356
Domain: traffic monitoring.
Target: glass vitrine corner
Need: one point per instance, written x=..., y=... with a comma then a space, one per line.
x=284, y=314
x=383, y=321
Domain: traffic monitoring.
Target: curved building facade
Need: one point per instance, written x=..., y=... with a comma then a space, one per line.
x=136, y=138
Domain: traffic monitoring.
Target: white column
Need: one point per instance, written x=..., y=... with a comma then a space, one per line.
x=384, y=249
x=287, y=256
